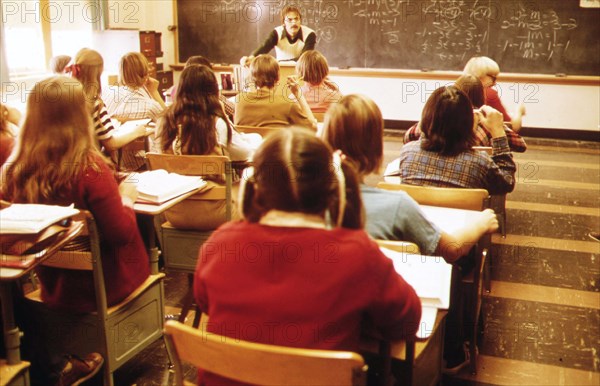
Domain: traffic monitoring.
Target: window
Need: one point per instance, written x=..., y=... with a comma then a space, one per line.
x=33, y=31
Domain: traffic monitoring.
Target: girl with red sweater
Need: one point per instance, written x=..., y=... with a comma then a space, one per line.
x=57, y=162
x=300, y=271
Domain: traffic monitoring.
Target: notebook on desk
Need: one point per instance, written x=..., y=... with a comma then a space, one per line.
x=159, y=186
x=430, y=276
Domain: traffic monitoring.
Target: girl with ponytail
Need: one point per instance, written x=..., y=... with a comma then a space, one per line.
x=87, y=67
x=300, y=260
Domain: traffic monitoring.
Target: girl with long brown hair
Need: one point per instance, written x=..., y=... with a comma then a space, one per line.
x=57, y=162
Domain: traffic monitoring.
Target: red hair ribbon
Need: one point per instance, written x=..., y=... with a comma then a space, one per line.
x=74, y=69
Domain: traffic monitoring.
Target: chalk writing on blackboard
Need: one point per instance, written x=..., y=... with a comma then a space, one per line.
x=538, y=34
x=548, y=36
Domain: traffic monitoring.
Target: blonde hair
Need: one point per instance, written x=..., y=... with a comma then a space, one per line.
x=87, y=67
x=481, y=66
x=59, y=63
x=354, y=125
x=4, y=129
x=265, y=71
x=54, y=145
x=133, y=70
x=312, y=67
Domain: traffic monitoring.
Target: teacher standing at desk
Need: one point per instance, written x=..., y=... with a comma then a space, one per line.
x=290, y=39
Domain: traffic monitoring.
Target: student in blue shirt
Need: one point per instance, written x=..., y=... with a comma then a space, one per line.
x=354, y=125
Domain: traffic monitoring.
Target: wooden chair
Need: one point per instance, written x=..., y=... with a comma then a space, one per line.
x=180, y=246
x=258, y=363
x=118, y=332
x=460, y=198
x=471, y=284
x=319, y=116
x=263, y=131
x=405, y=247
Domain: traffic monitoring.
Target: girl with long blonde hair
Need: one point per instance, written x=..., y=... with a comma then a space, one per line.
x=87, y=67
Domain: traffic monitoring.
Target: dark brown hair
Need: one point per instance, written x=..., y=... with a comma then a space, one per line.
x=294, y=172
x=473, y=88
x=288, y=9
x=355, y=126
x=447, y=122
x=194, y=110
x=198, y=59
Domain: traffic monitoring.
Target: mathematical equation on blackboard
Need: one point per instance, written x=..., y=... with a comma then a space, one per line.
x=452, y=29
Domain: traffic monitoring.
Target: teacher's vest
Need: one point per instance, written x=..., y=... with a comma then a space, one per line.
x=286, y=51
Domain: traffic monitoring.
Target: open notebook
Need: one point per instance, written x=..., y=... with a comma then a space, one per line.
x=32, y=218
x=430, y=276
x=158, y=186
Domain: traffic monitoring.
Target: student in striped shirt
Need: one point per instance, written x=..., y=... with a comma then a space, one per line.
x=87, y=66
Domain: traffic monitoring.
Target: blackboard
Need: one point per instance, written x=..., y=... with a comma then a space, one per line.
x=542, y=37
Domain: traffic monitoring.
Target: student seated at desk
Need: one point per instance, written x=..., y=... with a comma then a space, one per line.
x=196, y=124
x=57, y=162
x=87, y=66
x=312, y=268
x=199, y=59
x=444, y=157
x=318, y=90
x=355, y=126
x=269, y=105
x=487, y=70
x=137, y=95
x=473, y=88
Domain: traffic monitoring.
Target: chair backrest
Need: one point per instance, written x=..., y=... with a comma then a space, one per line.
x=84, y=254
x=263, y=131
x=487, y=149
x=320, y=117
x=198, y=165
x=405, y=247
x=262, y=364
x=461, y=198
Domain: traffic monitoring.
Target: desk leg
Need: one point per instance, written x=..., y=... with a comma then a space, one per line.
x=150, y=232
x=12, y=335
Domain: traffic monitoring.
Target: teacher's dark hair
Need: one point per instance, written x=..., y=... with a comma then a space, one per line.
x=288, y=9
x=447, y=122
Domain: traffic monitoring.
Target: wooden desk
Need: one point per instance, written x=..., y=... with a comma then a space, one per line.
x=419, y=362
x=13, y=366
x=148, y=212
x=451, y=219
x=448, y=219
x=411, y=362
x=467, y=281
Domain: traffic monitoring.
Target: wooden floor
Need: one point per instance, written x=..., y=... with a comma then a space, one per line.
x=542, y=318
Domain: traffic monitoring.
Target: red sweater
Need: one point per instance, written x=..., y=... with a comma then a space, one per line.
x=7, y=143
x=300, y=287
x=124, y=258
x=492, y=99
